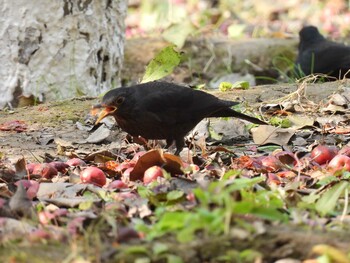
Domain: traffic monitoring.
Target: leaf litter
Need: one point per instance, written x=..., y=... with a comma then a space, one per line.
x=218, y=186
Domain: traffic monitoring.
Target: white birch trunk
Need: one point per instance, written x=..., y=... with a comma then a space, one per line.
x=60, y=48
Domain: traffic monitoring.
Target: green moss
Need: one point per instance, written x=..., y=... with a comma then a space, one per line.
x=51, y=114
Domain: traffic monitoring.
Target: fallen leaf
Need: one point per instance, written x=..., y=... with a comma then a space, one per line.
x=265, y=134
x=299, y=121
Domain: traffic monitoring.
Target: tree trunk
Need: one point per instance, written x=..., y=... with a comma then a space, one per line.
x=61, y=48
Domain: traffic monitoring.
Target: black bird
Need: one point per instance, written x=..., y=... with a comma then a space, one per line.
x=162, y=110
x=319, y=55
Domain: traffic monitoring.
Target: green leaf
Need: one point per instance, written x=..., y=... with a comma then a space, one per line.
x=329, y=199
x=236, y=30
x=311, y=198
x=240, y=183
x=226, y=86
x=85, y=205
x=269, y=213
x=178, y=33
x=144, y=192
x=185, y=235
x=174, y=259
x=136, y=250
x=162, y=65
x=159, y=248
x=172, y=220
x=283, y=123
x=143, y=260
x=174, y=195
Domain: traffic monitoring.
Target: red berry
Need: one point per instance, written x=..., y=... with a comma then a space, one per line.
x=339, y=162
x=152, y=173
x=117, y=184
x=76, y=162
x=345, y=150
x=60, y=166
x=271, y=163
x=93, y=175
x=45, y=170
x=323, y=154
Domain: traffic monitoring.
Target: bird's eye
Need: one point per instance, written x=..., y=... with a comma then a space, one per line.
x=120, y=100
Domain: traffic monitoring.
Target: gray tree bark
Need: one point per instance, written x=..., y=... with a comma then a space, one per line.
x=60, y=48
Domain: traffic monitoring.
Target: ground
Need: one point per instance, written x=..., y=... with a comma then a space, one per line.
x=60, y=130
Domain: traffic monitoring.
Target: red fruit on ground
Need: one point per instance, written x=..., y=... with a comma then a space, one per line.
x=93, y=175
x=152, y=173
x=271, y=163
x=76, y=162
x=60, y=166
x=191, y=197
x=30, y=167
x=345, y=150
x=322, y=154
x=273, y=179
x=127, y=172
x=138, y=155
x=339, y=162
x=117, y=184
x=31, y=186
x=45, y=170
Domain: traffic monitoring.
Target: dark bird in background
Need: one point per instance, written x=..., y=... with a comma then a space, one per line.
x=319, y=55
x=161, y=110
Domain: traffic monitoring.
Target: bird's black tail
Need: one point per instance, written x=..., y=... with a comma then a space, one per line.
x=227, y=112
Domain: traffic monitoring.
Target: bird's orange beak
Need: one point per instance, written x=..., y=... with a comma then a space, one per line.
x=104, y=113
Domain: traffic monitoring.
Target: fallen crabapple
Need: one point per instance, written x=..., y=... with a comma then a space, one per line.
x=339, y=162
x=152, y=173
x=273, y=179
x=322, y=154
x=31, y=187
x=117, y=184
x=60, y=166
x=45, y=170
x=93, y=175
x=138, y=155
x=76, y=162
x=271, y=163
x=345, y=150
x=191, y=197
x=30, y=167
x=127, y=172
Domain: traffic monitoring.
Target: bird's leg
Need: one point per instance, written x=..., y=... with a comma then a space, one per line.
x=180, y=143
x=169, y=142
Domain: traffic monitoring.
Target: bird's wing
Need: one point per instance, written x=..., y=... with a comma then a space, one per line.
x=171, y=105
x=324, y=57
x=331, y=57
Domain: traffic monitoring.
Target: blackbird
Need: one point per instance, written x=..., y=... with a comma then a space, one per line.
x=319, y=55
x=162, y=110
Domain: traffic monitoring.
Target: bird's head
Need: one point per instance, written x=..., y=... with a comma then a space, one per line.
x=310, y=34
x=112, y=103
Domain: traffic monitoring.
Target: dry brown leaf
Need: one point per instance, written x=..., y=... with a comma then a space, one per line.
x=265, y=134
